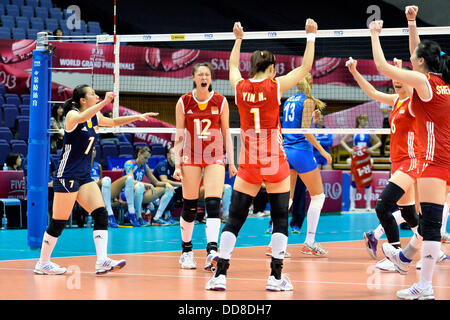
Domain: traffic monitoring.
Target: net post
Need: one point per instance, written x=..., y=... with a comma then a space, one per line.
x=38, y=142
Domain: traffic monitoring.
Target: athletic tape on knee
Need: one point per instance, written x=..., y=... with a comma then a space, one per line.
x=189, y=209
x=212, y=206
x=100, y=217
x=410, y=215
x=139, y=188
x=430, y=222
x=106, y=182
x=56, y=227
x=240, y=204
x=279, y=212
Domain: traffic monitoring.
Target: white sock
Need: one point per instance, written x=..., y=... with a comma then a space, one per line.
x=444, y=218
x=368, y=196
x=48, y=244
x=129, y=194
x=139, y=190
x=106, y=193
x=165, y=199
x=430, y=254
x=279, y=245
x=313, y=215
x=398, y=217
x=186, y=230
x=101, y=244
x=227, y=243
x=352, y=196
x=212, y=230
x=379, y=231
x=413, y=246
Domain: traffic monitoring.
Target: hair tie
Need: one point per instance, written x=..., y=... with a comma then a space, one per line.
x=442, y=53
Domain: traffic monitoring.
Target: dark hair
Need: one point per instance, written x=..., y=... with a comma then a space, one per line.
x=203, y=64
x=260, y=61
x=55, y=111
x=436, y=62
x=361, y=116
x=141, y=150
x=11, y=159
x=74, y=102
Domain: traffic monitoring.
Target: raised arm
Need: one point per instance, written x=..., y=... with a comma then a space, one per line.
x=415, y=79
x=73, y=118
x=120, y=121
x=414, y=39
x=369, y=89
x=234, y=73
x=292, y=78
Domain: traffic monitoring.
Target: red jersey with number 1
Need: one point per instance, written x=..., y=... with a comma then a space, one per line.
x=433, y=122
x=258, y=102
x=403, y=132
x=203, y=142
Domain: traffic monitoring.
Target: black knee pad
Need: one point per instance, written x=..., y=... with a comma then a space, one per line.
x=240, y=203
x=387, y=200
x=212, y=206
x=189, y=210
x=56, y=227
x=100, y=217
x=430, y=221
x=410, y=215
x=279, y=212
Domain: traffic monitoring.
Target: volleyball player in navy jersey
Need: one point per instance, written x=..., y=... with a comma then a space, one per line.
x=73, y=180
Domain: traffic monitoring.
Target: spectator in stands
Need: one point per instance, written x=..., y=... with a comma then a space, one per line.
x=360, y=141
x=386, y=110
x=57, y=122
x=326, y=141
x=58, y=33
x=14, y=161
x=112, y=136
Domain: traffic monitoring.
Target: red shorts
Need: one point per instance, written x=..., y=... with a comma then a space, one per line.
x=201, y=161
x=408, y=166
x=256, y=174
x=430, y=170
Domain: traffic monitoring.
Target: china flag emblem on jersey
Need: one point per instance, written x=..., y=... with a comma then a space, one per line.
x=361, y=168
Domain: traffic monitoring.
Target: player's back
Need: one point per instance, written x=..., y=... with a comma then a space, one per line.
x=292, y=119
x=258, y=102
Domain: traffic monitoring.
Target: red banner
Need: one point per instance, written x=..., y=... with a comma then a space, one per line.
x=174, y=63
x=12, y=184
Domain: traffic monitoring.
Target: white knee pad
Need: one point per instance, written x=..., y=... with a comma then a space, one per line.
x=317, y=201
x=139, y=188
x=106, y=182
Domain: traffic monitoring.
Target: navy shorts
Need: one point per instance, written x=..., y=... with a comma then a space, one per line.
x=68, y=185
x=301, y=160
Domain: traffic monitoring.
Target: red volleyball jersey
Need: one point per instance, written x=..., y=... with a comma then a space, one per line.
x=203, y=137
x=258, y=102
x=433, y=122
x=403, y=132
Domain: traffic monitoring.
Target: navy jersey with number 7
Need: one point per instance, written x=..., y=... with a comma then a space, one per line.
x=76, y=155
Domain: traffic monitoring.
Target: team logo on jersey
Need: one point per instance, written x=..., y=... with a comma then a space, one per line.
x=202, y=106
x=214, y=110
x=89, y=124
x=84, y=129
x=402, y=111
x=190, y=112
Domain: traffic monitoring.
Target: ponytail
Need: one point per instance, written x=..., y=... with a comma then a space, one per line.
x=303, y=86
x=445, y=67
x=436, y=60
x=74, y=102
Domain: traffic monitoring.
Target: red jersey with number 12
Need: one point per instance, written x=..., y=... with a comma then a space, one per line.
x=433, y=122
x=203, y=136
x=258, y=102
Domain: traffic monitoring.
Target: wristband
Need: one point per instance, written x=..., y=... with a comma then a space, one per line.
x=311, y=37
x=411, y=22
